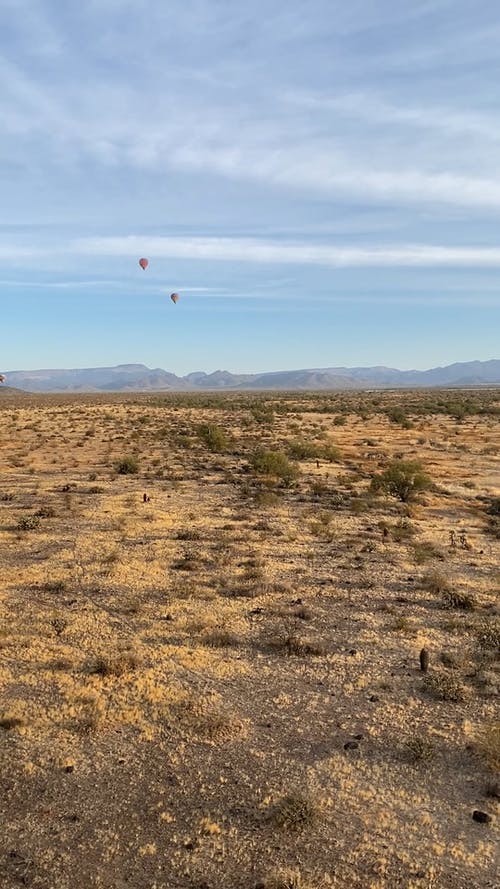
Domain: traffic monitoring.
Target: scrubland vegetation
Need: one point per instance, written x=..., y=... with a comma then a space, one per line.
x=212, y=613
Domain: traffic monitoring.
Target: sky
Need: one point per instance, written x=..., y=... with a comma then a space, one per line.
x=319, y=181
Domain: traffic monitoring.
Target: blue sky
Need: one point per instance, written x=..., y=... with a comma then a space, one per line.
x=320, y=181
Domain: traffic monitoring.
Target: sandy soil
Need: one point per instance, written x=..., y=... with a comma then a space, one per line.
x=220, y=687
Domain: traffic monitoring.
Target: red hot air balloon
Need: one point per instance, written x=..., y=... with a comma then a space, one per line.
x=144, y=263
x=174, y=297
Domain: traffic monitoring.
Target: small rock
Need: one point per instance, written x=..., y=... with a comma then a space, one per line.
x=374, y=699
x=358, y=737
x=353, y=651
x=351, y=745
x=481, y=817
x=69, y=769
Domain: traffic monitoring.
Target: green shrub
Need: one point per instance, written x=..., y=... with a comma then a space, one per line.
x=126, y=466
x=274, y=463
x=403, y=479
x=397, y=415
x=331, y=453
x=28, y=523
x=213, y=437
x=305, y=450
x=302, y=450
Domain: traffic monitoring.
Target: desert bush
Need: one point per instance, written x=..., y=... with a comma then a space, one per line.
x=402, y=530
x=445, y=687
x=206, y=719
x=54, y=586
x=263, y=415
x=494, y=507
x=59, y=624
x=89, y=714
x=488, y=744
x=267, y=498
x=126, y=466
x=283, y=879
x=188, y=534
x=458, y=599
x=187, y=562
x=8, y=721
x=213, y=437
x=452, y=660
x=420, y=748
x=113, y=665
x=290, y=642
x=331, y=453
x=493, y=527
x=274, y=463
x=425, y=551
x=28, y=523
x=488, y=634
x=45, y=512
x=220, y=637
x=182, y=441
x=403, y=625
x=302, y=450
x=403, y=479
x=436, y=582
x=398, y=416
x=294, y=812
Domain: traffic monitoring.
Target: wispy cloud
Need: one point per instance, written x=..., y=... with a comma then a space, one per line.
x=286, y=139
x=374, y=109
x=250, y=151
x=263, y=252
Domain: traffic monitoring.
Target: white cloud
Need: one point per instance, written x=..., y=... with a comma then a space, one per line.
x=253, y=250
x=372, y=108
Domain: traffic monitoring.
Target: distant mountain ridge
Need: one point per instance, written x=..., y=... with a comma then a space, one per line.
x=139, y=378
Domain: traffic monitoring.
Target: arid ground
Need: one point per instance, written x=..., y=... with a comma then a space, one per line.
x=219, y=687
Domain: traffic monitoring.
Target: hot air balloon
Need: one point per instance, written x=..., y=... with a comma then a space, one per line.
x=144, y=263
x=174, y=297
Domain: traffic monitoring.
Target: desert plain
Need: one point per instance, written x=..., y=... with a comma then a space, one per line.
x=212, y=613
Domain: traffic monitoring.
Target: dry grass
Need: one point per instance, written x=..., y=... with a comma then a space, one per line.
x=488, y=744
x=216, y=682
x=295, y=811
x=445, y=687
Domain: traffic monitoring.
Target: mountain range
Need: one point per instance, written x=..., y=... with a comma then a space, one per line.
x=139, y=378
